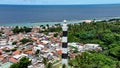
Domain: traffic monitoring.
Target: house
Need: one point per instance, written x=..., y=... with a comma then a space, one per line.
x=81, y=48
x=17, y=52
x=59, y=52
x=36, y=48
x=3, y=42
x=73, y=44
x=41, y=46
x=44, y=42
x=29, y=52
x=1, y=51
x=3, y=58
x=91, y=46
x=30, y=66
x=18, y=57
x=87, y=21
x=72, y=55
x=13, y=60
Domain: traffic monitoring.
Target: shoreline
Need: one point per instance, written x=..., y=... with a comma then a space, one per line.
x=31, y=24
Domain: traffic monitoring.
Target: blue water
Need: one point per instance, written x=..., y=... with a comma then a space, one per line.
x=17, y=14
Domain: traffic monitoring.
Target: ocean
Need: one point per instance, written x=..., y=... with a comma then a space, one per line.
x=48, y=14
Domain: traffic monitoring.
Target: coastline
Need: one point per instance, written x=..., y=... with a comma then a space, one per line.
x=31, y=24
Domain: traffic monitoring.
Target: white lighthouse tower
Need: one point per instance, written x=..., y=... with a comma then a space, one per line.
x=64, y=44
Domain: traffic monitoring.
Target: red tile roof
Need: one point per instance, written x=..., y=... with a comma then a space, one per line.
x=29, y=52
x=13, y=60
x=2, y=56
x=33, y=38
x=72, y=55
x=1, y=50
x=17, y=52
x=59, y=52
x=45, y=49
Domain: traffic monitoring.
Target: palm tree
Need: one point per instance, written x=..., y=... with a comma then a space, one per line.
x=47, y=26
x=49, y=65
x=45, y=60
x=118, y=64
x=64, y=66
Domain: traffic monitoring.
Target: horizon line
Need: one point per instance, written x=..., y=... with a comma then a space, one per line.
x=62, y=4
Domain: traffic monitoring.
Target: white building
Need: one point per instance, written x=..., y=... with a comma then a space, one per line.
x=20, y=56
x=91, y=46
x=4, y=42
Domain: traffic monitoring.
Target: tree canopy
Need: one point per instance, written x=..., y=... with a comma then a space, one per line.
x=23, y=63
x=103, y=33
x=21, y=29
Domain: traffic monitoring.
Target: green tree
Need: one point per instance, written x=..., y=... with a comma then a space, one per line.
x=49, y=65
x=21, y=29
x=24, y=40
x=118, y=64
x=115, y=52
x=14, y=43
x=56, y=34
x=96, y=60
x=47, y=26
x=15, y=65
x=64, y=66
x=45, y=62
x=23, y=63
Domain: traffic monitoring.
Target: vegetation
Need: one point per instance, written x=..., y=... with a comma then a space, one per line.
x=37, y=53
x=94, y=60
x=49, y=65
x=23, y=63
x=56, y=34
x=46, y=63
x=14, y=43
x=24, y=40
x=64, y=66
x=104, y=33
x=21, y=29
x=0, y=35
x=55, y=28
x=7, y=50
x=14, y=49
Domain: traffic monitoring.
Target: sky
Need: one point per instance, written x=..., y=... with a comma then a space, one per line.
x=58, y=2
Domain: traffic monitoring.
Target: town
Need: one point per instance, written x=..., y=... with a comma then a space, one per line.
x=31, y=42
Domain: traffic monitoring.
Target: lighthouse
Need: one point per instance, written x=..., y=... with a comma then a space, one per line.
x=65, y=44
